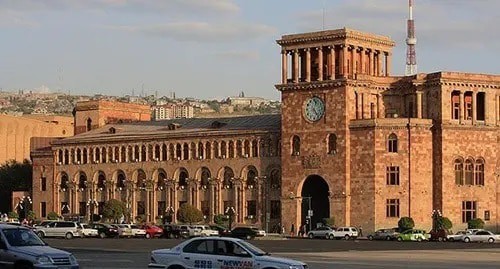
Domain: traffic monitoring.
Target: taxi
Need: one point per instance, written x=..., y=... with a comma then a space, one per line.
x=220, y=253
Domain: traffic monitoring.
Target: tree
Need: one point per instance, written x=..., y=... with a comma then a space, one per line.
x=31, y=215
x=475, y=224
x=329, y=221
x=405, y=223
x=114, y=210
x=445, y=223
x=13, y=215
x=189, y=214
x=220, y=219
x=52, y=216
x=14, y=176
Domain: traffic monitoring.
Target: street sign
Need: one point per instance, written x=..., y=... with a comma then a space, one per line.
x=310, y=213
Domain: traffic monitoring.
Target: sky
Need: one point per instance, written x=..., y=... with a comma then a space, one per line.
x=217, y=48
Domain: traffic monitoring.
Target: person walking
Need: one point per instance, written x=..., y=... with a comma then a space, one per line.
x=292, y=230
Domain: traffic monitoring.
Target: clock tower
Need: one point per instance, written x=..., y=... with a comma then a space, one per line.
x=323, y=87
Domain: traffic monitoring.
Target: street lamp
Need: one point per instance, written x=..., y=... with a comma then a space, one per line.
x=230, y=211
x=91, y=203
x=23, y=205
x=170, y=212
x=309, y=209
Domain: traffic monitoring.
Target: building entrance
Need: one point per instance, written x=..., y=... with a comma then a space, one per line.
x=315, y=200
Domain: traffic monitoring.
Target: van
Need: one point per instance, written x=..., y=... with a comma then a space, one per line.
x=66, y=229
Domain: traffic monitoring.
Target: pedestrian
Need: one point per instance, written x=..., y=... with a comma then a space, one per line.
x=283, y=231
x=301, y=230
x=292, y=230
x=360, y=231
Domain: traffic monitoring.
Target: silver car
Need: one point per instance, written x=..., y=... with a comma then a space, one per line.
x=481, y=236
x=66, y=229
x=458, y=236
x=21, y=248
x=321, y=232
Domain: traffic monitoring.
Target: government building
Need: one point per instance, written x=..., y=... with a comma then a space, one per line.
x=353, y=143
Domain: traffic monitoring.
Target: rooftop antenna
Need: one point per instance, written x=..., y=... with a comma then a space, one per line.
x=411, y=41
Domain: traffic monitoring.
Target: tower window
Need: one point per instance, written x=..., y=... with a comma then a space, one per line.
x=392, y=175
x=332, y=144
x=479, y=173
x=392, y=145
x=459, y=172
x=455, y=105
x=89, y=124
x=296, y=145
x=468, y=105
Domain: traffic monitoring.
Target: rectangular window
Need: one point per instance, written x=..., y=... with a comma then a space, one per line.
x=456, y=111
x=252, y=208
x=43, y=209
x=392, y=208
x=205, y=208
x=83, y=208
x=487, y=215
x=43, y=183
x=275, y=209
x=162, y=207
x=141, y=208
x=469, y=210
x=392, y=175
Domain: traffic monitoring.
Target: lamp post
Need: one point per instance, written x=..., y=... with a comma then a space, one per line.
x=230, y=211
x=23, y=205
x=91, y=203
x=170, y=212
x=309, y=208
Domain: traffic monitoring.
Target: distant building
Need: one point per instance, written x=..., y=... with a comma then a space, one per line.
x=246, y=101
x=172, y=111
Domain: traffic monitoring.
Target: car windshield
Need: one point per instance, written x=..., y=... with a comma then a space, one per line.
x=22, y=238
x=255, y=250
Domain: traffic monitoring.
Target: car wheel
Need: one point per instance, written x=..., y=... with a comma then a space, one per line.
x=419, y=239
x=68, y=236
x=248, y=237
x=310, y=235
x=400, y=239
x=102, y=235
x=491, y=240
x=388, y=238
x=347, y=237
x=40, y=234
x=451, y=239
x=440, y=239
x=466, y=240
x=148, y=236
x=331, y=237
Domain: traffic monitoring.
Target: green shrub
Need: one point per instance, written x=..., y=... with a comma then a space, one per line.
x=445, y=223
x=52, y=216
x=475, y=224
x=13, y=215
x=405, y=223
x=328, y=221
x=189, y=214
x=220, y=219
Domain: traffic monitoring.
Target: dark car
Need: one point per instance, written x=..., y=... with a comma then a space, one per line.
x=105, y=230
x=384, y=234
x=439, y=235
x=244, y=232
x=173, y=231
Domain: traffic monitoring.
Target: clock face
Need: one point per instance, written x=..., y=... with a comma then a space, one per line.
x=314, y=109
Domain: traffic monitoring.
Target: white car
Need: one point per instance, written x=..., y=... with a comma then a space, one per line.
x=343, y=232
x=124, y=230
x=88, y=231
x=217, y=253
x=458, y=236
x=481, y=236
x=193, y=232
x=206, y=230
x=137, y=231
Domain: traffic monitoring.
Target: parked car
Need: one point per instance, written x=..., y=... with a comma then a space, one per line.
x=105, y=230
x=440, y=235
x=481, y=236
x=321, y=232
x=384, y=234
x=219, y=252
x=124, y=230
x=343, y=232
x=152, y=231
x=43, y=223
x=88, y=231
x=137, y=231
x=205, y=230
x=66, y=229
x=413, y=235
x=458, y=236
x=245, y=232
x=223, y=231
x=192, y=232
x=20, y=245
x=174, y=231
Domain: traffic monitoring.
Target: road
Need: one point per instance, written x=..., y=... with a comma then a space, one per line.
x=320, y=254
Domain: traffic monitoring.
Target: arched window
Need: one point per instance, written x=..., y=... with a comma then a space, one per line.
x=82, y=181
x=239, y=149
x=227, y=183
x=171, y=152
x=275, y=179
x=78, y=156
x=255, y=148
x=392, y=143
x=201, y=151
x=469, y=172
x=459, y=172
x=193, y=151
x=205, y=177
x=164, y=152
x=101, y=181
x=130, y=154
x=332, y=144
x=216, y=149
x=123, y=156
x=231, y=149
x=186, y=152
x=120, y=181
x=178, y=151
x=141, y=180
x=295, y=145
x=479, y=173
x=64, y=182
x=136, y=153
x=60, y=156
x=66, y=156
x=247, y=149
x=251, y=177
x=161, y=180
x=208, y=150
x=89, y=124
x=143, y=153
x=223, y=151
x=183, y=178
x=97, y=153
x=84, y=158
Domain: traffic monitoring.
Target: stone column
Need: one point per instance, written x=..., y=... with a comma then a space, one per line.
x=295, y=63
x=365, y=105
x=362, y=60
x=419, y=105
x=332, y=63
x=379, y=107
x=379, y=63
x=370, y=62
x=308, y=65
x=354, y=65
x=320, y=64
x=344, y=71
x=359, y=111
x=474, y=107
x=284, y=66
x=462, y=107
x=388, y=64
x=260, y=214
x=175, y=202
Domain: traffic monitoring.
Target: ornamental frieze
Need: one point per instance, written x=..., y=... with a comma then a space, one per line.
x=312, y=161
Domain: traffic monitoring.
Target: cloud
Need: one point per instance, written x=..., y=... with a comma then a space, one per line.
x=443, y=23
x=202, y=31
x=239, y=55
x=220, y=6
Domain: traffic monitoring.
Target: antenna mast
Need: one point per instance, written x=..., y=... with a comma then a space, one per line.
x=411, y=41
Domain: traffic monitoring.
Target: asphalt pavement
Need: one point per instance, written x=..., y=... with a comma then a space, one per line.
x=320, y=254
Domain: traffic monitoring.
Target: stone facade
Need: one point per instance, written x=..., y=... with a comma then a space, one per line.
x=352, y=143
